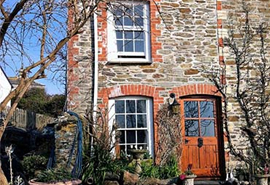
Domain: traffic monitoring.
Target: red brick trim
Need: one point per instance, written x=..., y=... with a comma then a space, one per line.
x=196, y=89
x=131, y=90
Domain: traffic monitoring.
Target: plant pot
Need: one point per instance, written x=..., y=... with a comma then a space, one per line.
x=70, y=182
x=189, y=180
x=262, y=179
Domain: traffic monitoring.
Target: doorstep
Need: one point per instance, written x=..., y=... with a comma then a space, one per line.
x=202, y=182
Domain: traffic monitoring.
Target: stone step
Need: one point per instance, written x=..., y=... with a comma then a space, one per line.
x=206, y=182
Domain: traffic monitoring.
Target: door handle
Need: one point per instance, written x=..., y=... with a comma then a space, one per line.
x=186, y=141
x=200, y=142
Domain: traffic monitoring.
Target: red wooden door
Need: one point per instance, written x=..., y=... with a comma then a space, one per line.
x=200, y=136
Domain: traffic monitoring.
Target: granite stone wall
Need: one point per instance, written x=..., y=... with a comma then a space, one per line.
x=186, y=37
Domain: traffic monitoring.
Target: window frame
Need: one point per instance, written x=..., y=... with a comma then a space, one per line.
x=115, y=56
x=149, y=117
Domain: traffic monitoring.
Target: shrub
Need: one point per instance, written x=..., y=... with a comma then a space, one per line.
x=34, y=163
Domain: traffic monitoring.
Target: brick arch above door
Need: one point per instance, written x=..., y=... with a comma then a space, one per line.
x=196, y=89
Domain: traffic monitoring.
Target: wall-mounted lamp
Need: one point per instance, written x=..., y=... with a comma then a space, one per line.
x=174, y=106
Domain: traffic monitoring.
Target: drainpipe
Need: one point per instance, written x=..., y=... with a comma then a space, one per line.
x=95, y=68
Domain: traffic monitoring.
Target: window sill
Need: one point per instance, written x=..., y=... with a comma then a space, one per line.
x=130, y=61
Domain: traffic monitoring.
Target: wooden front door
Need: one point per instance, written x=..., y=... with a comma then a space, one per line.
x=201, y=132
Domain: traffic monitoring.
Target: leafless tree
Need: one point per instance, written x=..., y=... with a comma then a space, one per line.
x=245, y=82
x=38, y=26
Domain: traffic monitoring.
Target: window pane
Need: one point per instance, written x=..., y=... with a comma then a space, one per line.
x=138, y=10
x=120, y=45
x=128, y=45
x=191, y=128
x=119, y=106
x=191, y=109
x=207, y=128
x=141, y=135
x=130, y=106
x=120, y=121
x=131, y=136
x=119, y=21
x=141, y=121
x=131, y=121
x=128, y=21
x=119, y=34
x=141, y=106
x=128, y=35
x=139, y=46
x=122, y=136
x=139, y=21
x=139, y=35
x=206, y=109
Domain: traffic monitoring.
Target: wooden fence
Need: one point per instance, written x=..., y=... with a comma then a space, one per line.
x=27, y=119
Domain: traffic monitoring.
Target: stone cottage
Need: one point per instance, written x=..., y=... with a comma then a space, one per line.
x=133, y=61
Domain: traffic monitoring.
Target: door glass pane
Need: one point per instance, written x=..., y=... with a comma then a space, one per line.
x=131, y=136
x=207, y=128
x=131, y=121
x=130, y=106
x=141, y=135
x=191, y=128
x=120, y=121
x=119, y=106
x=141, y=106
x=141, y=121
x=191, y=109
x=206, y=109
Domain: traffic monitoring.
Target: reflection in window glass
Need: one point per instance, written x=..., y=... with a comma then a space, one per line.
x=207, y=128
x=130, y=106
x=141, y=136
x=131, y=121
x=122, y=136
x=191, y=109
x=141, y=106
x=141, y=121
x=191, y=128
x=120, y=121
x=206, y=109
x=119, y=106
x=131, y=136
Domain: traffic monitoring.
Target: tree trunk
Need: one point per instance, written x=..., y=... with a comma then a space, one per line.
x=3, y=179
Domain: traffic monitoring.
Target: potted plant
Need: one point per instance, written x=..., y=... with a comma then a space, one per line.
x=54, y=177
x=187, y=178
x=263, y=175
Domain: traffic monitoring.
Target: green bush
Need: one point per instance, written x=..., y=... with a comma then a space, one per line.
x=170, y=169
x=100, y=163
x=34, y=163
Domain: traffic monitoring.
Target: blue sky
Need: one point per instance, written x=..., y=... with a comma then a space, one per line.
x=31, y=42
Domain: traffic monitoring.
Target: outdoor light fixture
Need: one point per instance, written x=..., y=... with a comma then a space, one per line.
x=174, y=106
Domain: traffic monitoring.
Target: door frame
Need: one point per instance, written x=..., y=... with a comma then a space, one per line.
x=219, y=128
